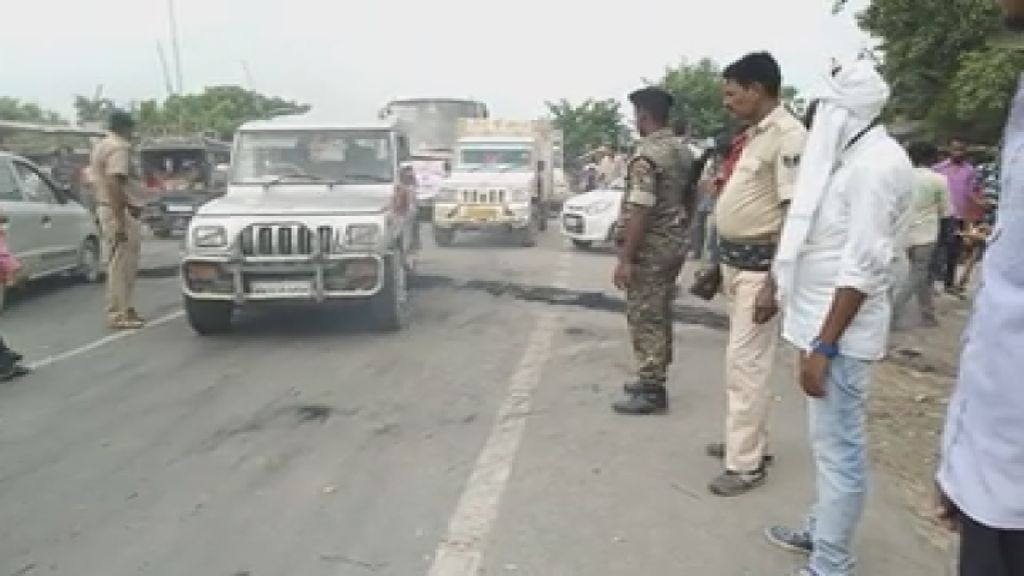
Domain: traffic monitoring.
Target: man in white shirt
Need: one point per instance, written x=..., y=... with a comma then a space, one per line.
x=834, y=271
x=981, y=476
x=929, y=207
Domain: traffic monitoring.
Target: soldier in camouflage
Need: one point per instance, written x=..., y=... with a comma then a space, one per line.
x=652, y=244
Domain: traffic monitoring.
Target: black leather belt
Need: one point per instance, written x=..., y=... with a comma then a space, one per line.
x=748, y=257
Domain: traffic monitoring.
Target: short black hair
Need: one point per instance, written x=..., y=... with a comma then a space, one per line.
x=120, y=121
x=655, y=101
x=756, y=68
x=922, y=153
x=680, y=127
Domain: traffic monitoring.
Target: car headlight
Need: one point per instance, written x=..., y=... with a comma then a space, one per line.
x=362, y=235
x=210, y=236
x=447, y=194
x=598, y=207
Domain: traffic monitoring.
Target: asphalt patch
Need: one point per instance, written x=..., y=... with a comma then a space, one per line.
x=682, y=313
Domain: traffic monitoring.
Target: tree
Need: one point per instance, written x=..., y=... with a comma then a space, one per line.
x=587, y=126
x=218, y=109
x=940, y=66
x=15, y=110
x=697, y=89
x=93, y=110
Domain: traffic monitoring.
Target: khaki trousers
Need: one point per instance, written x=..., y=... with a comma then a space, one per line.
x=749, y=358
x=123, y=260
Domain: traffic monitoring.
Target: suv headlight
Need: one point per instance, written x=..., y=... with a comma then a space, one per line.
x=447, y=194
x=519, y=195
x=598, y=207
x=210, y=236
x=362, y=235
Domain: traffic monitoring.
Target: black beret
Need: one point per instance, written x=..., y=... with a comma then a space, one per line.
x=652, y=97
x=121, y=120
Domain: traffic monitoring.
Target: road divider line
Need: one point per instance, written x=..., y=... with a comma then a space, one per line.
x=460, y=552
x=108, y=339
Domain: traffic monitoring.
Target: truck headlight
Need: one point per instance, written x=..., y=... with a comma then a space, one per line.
x=210, y=236
x=598, y=207
x=362, y=235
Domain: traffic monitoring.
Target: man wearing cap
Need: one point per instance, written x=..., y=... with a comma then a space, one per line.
x=119, y=209
x=651, y=245
x=748, y=217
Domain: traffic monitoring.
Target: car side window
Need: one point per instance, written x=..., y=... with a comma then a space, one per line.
x=34, y=185
x=9, y=190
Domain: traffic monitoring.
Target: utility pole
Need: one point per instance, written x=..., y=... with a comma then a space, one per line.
x=168, y=86
x=174, y=45
x=248, y=75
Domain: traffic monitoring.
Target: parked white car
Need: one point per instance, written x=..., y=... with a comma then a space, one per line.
x=47, y=230
x=590, y=217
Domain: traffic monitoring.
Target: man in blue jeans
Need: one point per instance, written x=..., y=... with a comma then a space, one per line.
x=834, y=269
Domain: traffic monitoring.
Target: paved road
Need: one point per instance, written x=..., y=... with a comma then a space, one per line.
x=479, y=441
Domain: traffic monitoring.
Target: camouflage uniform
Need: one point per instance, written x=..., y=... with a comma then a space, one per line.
x=657, y=176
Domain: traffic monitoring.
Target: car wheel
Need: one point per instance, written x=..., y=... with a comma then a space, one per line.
x=209, y=317
x=528, y=236
x=582, y=244
x=390, y=306
x=443, y=237
x=89, y=267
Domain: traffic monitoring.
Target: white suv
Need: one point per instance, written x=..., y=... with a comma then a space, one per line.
x=47, y=230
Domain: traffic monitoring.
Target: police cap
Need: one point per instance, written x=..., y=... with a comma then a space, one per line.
x=652, y=98
x=120, y=121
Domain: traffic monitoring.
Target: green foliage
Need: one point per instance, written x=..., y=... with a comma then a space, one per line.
x=93, y=110
x=940, y=66
x=697, y=89
x=15, y=110
x=218, y=109
x=589, y=125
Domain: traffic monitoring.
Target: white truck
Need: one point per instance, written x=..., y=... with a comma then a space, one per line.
x=502, y=179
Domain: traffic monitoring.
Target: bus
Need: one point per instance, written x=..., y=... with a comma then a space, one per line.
x=431, y=123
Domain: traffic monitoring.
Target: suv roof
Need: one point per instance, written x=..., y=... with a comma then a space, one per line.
x=293, y=125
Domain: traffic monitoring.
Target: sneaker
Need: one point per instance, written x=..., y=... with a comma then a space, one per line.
x=798, y=541
x=731, y=483
x=717, y=450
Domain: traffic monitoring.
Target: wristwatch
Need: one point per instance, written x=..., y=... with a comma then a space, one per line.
x=829, y=351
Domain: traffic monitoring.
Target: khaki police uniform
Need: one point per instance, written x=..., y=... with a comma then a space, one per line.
x=749, y=217
x=112, y=158
x=657, y=175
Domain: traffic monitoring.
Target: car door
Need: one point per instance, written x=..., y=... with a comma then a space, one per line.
x=57, y=227
x=20, y=221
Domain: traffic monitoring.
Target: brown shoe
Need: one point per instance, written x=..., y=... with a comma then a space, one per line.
x=123, y=322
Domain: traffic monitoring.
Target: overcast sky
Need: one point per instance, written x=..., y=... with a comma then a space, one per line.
x=348, y=57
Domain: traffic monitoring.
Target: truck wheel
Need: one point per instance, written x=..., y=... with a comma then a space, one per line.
x=543, y=213
x=443, y=237
x=390, y=306
x=528, y=236
x=162, y=232
x=209, y=317
x=582, y=244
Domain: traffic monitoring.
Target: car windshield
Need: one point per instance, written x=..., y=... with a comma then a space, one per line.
x=340, y=156
x=494, y=159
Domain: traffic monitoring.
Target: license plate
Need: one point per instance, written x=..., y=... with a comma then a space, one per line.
x=179, y=208
x=480, y=213
x=282, y=287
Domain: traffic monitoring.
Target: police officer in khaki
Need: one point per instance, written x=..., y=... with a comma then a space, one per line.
x=118, y=208
x=652, y=244
x=749, y=215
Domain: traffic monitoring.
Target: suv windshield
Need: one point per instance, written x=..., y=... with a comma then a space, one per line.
x=344, y=156
x=485, y=159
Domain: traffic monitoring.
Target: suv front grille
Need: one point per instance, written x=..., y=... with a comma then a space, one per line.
x=490, y=196
x=284, y=240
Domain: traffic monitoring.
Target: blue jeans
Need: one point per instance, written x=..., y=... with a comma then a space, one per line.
x=838, y=438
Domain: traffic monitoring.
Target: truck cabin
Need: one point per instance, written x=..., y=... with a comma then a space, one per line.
x=495, y=155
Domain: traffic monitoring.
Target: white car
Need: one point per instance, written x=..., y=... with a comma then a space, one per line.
x=590, y=217
x=47, y=230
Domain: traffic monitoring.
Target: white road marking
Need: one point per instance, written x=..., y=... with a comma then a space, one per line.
x=460, y=553
x=110, y=338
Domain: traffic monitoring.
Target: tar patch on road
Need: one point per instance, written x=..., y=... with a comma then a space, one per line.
x=683, y=313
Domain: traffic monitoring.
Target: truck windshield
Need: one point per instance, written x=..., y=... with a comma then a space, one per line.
x=307, y=156
x=502, y=159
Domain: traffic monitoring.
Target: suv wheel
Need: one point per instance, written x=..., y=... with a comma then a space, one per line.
x=209, y=317
x=390, y=306
x=443, y=237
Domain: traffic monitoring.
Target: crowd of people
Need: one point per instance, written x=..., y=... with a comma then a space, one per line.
x=819, y=231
